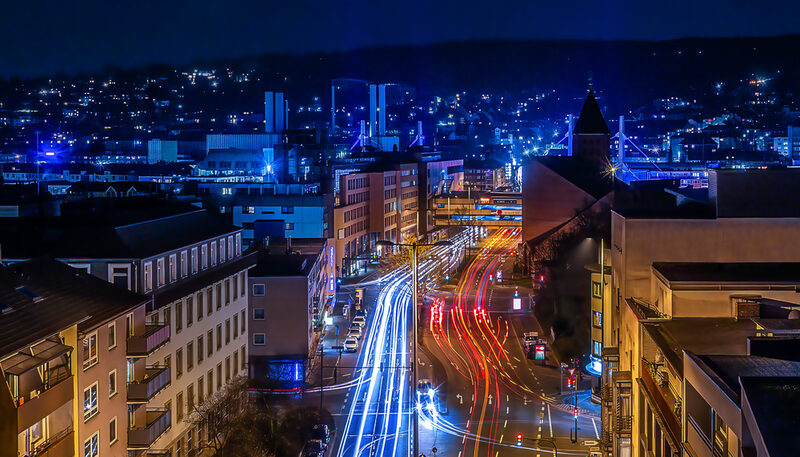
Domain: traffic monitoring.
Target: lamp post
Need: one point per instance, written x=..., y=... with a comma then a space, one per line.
x=415, y=287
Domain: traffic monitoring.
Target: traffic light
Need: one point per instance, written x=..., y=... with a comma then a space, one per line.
x=575, y=413
x=519, y=439
x=516, y=292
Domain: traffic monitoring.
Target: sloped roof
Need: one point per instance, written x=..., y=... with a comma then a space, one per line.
x=42, y=297
x=591, y=119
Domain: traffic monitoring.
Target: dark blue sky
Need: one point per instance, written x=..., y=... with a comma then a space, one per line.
x=40, y=37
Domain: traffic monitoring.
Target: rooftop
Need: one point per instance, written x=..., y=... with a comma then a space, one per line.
x=110, y=231
x=41, y=297
x=591, y=119
x=270, y=264
x=773, y=403
x=726, y=370
x=783, y=272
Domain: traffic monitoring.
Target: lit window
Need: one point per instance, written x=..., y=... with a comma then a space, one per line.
x=597, y=318
x=90, y=350
x=91, y=447
x=90, y=406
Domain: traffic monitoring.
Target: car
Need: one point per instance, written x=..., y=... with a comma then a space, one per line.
x=350, y=344
x=361, y=312
x=355, y=332
x=360, y=320
x=529, y=338
x=321, y=432
x=314, y=448
x=425, y=394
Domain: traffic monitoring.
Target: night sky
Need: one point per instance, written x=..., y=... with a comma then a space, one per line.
x=44, y=37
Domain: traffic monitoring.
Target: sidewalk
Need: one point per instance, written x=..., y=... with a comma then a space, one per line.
x=585, y=405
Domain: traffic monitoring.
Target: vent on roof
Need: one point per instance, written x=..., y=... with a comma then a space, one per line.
x=29, y=293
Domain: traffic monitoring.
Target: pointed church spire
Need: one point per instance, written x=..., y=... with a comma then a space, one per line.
x=591, y=119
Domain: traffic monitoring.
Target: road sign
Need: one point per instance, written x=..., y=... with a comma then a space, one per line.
x=571, y=371
x=539, y=351
x=517, y=304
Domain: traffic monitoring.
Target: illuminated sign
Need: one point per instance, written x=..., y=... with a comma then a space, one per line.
x=538, y=353
x=517, y=303
x=485, y=200
x=499, y=274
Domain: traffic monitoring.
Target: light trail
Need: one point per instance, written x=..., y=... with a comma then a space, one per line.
x=379, y=413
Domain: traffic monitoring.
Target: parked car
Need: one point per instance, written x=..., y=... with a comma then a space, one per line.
x=321, y=432
x=350, y=344
x=314, y=448
x=355, y=332
x=360, y=320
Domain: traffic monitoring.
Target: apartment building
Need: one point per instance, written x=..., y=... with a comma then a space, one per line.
x=190, y=263
x=686, y=267
x=361, y=217
x=66, y=338
x=290, y=294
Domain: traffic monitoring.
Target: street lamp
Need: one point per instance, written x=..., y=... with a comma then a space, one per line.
x=414, y=285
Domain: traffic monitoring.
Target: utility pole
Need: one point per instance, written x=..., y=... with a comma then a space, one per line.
x=415, y=310
x=321, y=370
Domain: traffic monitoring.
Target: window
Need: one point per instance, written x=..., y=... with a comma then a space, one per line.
x=167, y=319
x=235, y=287
x=258, y=314
x=597, y=348
x=244, y=358
x=179, y=444
x=112, y=383
x=190, y=356
x=219, y=296
x=219, y=337
x=227, y=369
x=90, y=350
x=204, y=256
x=241, y=319
x=184, y=265
x=173, y=267
x=194, y=260
x=200, y=392
x=160, y=273
x=221, y=250
x=219, y=376
x=235, y=361
x=112, y=430
x=287, y=210
x=210, y=377
x=230, y=246
x=112, y=336
x=129, y=325
x=200, y=307
x=91, y=447
x=179, y=406
x=597, y=318
x=227, y=331
x=210, y=344
x=200, y=349
x=259, y=339
x=213, y=253
x=227, y=292
x=178, y=362
x=168, y=361
x=242, y=286
x=248, y=210
x=178, y=317
x=235, y=326
x=118, y=275
x=596, y=289
x=190, y=398
x=148, y=276
x=189, y=442
x=259, y=290
x=289, y=226
x=90, y=406
x=189, y=310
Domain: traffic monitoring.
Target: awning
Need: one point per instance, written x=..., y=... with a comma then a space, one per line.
x=45, y=351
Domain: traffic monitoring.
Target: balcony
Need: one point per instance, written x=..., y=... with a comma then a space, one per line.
x=58, y=445
x=158, y=422
x=45, y=402
x=155, y=379
x=155, y=336
x=665, y=402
